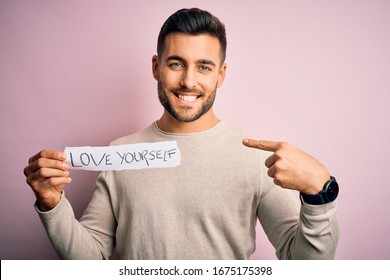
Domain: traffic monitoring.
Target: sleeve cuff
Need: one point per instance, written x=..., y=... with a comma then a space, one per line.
x=48, y=215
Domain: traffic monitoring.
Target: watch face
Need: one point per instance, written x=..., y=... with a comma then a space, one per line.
x=332, y=191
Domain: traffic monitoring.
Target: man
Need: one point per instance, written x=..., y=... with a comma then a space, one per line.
x=207, y=207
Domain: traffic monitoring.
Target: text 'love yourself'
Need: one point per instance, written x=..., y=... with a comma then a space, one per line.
x=132, y=156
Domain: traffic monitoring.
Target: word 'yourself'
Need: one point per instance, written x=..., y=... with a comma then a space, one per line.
x=121, y=157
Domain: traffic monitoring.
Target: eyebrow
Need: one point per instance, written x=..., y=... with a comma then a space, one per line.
x=201, y=61
x=207, y=62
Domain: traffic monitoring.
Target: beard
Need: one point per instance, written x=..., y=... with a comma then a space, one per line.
x=184, y=113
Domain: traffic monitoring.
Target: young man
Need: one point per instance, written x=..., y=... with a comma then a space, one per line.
x=207, y=207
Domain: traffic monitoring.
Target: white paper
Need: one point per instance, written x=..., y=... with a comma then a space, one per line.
x=132, y=156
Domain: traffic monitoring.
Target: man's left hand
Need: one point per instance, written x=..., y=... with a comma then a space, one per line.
x=291, y=167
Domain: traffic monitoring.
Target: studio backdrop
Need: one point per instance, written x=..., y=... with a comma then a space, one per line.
x=313, y=73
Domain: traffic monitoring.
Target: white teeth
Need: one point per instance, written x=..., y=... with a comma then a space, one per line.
x=189, y=98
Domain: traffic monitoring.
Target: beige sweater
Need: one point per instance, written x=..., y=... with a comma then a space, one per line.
x=206, y=208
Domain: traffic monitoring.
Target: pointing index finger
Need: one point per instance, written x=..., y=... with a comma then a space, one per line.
x=265, y=145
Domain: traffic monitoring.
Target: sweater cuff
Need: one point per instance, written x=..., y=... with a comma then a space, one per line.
x=315, y=210
x=48, y=215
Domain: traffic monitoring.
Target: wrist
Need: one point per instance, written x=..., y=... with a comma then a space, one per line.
x=316, y=183
x=48, y=204
x=45, y=208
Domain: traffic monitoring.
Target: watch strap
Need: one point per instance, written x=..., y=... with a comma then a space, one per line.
x=320, y=198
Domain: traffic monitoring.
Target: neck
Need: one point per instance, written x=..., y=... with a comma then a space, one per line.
x=169, y=124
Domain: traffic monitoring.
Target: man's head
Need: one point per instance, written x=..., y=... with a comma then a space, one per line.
x=190, y=66
x=193, y=22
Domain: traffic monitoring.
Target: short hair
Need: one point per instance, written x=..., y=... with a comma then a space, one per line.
x=193, y=21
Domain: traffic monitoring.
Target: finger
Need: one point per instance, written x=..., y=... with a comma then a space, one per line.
x=53, y=182
x=271, y=172
x=56, y=182
x=265, y=145
x=49, y=154
x=48, y=163
x=45, y=163
x=45, y=173
x=270, y=161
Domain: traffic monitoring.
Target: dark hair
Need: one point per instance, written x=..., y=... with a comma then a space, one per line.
x=194, y=22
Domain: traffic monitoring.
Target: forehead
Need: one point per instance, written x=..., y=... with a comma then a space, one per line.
x=192, y=47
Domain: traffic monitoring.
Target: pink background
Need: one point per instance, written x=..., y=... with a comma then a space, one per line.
x=314, y=73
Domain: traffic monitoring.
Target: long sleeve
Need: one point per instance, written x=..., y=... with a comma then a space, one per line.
x=93, y=237
x=297, y=232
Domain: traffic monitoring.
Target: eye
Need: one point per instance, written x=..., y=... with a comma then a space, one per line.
x=176, y=65
x=205, y=68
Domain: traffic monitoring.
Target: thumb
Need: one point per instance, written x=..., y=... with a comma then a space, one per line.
x=265, y=145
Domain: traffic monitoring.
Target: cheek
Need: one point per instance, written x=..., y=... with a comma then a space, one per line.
x=210, y=83
x=169, y=77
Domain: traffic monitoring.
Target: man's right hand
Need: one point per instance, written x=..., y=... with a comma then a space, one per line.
x=47, y=174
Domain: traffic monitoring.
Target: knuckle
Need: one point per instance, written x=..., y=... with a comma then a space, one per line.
x=35, y=185
x=28, y=180
x=40, y=172
x=59, y=165
x=282, y=166
x=283, y=145
x=43, y=172
x=278, y=154
x=30, y=160
x=277, y=167
x=39, y=156
x=26, y=171
x=278, y=177
x=277, y=182
x=260, y=144
x=42, y=153
x=41, y=162
x=51, y=181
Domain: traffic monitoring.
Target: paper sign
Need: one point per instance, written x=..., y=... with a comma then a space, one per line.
x=121, y=157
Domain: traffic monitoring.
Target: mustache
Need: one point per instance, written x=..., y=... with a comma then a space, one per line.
x=186, y=90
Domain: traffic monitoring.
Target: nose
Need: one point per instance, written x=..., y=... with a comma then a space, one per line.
x=188, y=79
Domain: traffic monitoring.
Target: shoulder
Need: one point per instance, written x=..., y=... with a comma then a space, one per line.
x=233, y=137
x=229, y=133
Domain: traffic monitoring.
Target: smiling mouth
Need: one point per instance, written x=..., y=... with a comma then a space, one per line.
x=187, y=98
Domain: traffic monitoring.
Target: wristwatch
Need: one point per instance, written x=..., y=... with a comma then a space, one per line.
x=328, y=193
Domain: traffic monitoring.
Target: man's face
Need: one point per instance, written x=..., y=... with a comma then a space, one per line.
x=188, y=72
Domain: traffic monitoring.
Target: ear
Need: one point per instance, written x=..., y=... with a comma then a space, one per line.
x=221, y=75
x=155, y=67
